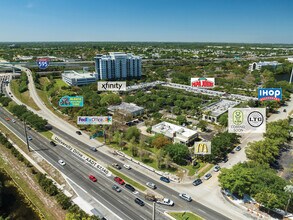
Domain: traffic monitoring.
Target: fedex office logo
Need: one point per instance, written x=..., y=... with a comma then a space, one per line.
x=270, y=94
x=94, y=120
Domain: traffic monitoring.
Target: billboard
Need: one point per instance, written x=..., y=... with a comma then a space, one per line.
x=203, y=82
x=265, y=94
x=43, y=63
x=112, y=86
x=246, y=120
x=71, y=101
x=203, y=147
x=94, y=120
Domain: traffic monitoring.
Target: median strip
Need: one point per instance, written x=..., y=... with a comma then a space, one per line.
x=127, y=179
x=183, y=216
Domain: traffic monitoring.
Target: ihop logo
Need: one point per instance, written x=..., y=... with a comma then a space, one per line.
x=270, y=94
x=43, y=63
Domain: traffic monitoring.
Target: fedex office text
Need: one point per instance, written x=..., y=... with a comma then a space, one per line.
x=95, y=120
x=269, y=94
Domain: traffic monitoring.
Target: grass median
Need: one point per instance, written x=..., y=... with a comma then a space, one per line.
x=127, y=179
x=184, y=216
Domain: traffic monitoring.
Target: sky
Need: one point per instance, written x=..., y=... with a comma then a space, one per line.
x=239, y=21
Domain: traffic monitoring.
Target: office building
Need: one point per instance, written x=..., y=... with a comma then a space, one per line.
x=117, y=66
x=74, y=78
x=176, y=133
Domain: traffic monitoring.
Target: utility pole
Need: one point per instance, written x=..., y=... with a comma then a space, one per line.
x=27, y=143
x=154, y=211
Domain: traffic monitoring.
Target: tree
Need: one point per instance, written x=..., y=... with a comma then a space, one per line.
x=202, y=125
x=223, y=120
x=160, y=141
x=168, y=161
x=181, y=119
x=132, y=132
x=63, y=200
x=110, y=99
x=179, y=153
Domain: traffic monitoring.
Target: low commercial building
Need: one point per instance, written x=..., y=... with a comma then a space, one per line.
x=176, y=133
x=127, y=109
x=74, y=78
x=259, y=65
x=213, y=111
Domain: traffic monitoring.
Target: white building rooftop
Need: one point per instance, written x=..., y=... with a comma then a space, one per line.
x=220, y=107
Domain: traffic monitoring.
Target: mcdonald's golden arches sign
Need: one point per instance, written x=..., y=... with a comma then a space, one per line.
x=202, y=147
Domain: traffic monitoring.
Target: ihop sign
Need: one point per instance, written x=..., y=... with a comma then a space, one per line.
x=43, y=63
x=269, y=94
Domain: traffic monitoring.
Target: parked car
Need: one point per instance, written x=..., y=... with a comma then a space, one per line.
x=165, y=179
x=284, y=110
x=131, y=188
x=185, y=197
x=117, y=166
x=92, y=178
x=139, y=201
x=78, y=132
x=197, y=182
x=61, y=162
x=217, y=168
x=151, y=185
x=116, y=188
x=53, y=143
x=119, y=180
x=225, y=160
x=126, y=166
x=207, y=176
x=238, y=148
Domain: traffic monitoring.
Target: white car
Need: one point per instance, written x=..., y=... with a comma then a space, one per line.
x=185, y=197
x=126, y=166
x=166, y=201
x=207, y=176
x=13, y=121
x=151, y=185
x=29, y=138
x=61, y=162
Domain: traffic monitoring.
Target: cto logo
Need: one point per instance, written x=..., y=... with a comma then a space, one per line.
x=269, y=94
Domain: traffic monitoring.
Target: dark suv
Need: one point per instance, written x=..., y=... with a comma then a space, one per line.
x=53, y=143
x=165, y=179
x=78, y=132
x=131, y=188
x=197, y=182
x=139, y=201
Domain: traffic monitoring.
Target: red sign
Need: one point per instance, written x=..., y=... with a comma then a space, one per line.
x=202, y=82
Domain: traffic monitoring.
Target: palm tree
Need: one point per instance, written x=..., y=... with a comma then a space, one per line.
x=159, y=157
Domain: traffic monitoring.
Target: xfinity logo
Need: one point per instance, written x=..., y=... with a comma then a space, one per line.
x=112, y=86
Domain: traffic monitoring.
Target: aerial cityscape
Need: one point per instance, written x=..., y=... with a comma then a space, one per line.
x=146, y=110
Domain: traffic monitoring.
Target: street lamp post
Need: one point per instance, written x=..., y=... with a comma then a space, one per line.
x=27, y=143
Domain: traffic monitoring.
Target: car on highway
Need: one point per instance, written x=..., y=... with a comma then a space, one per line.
x=166, y=201
x=151, y=185
x=92, y=178
x=131, y=188
x=238, y=148
x=29, y=128
x=217, y=168
x=116, y=188
x=185, y=197
x=139, y=201
x=93, y=149
x=126, y=166
x=197, y=182
x=207, y=176
x=165, y=179
x=29, y=138
x=13, y=121
x=61, y=162
x=53, y=143
x=117, y=166
x=78, y=132
x=7, y=119
x=119, y=180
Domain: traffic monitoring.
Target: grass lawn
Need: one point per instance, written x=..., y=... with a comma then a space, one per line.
x=23, y=97
x=184, y=216
x=127, y=179
x=47, y=134
x=206, y=169
x=59, y=83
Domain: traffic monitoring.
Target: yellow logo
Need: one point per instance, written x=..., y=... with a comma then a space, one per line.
x=202, y=148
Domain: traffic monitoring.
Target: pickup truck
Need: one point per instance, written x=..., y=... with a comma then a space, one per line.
x=166, y=201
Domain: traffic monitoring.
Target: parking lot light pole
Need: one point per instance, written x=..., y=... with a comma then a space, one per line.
x=27, y=143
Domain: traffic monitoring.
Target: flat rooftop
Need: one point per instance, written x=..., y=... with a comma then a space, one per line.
x=128, y=107
x=220, y=107
x=78, y=75
x=164, y=127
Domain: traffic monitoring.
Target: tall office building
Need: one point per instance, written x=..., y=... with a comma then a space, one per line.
x=117, y=65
